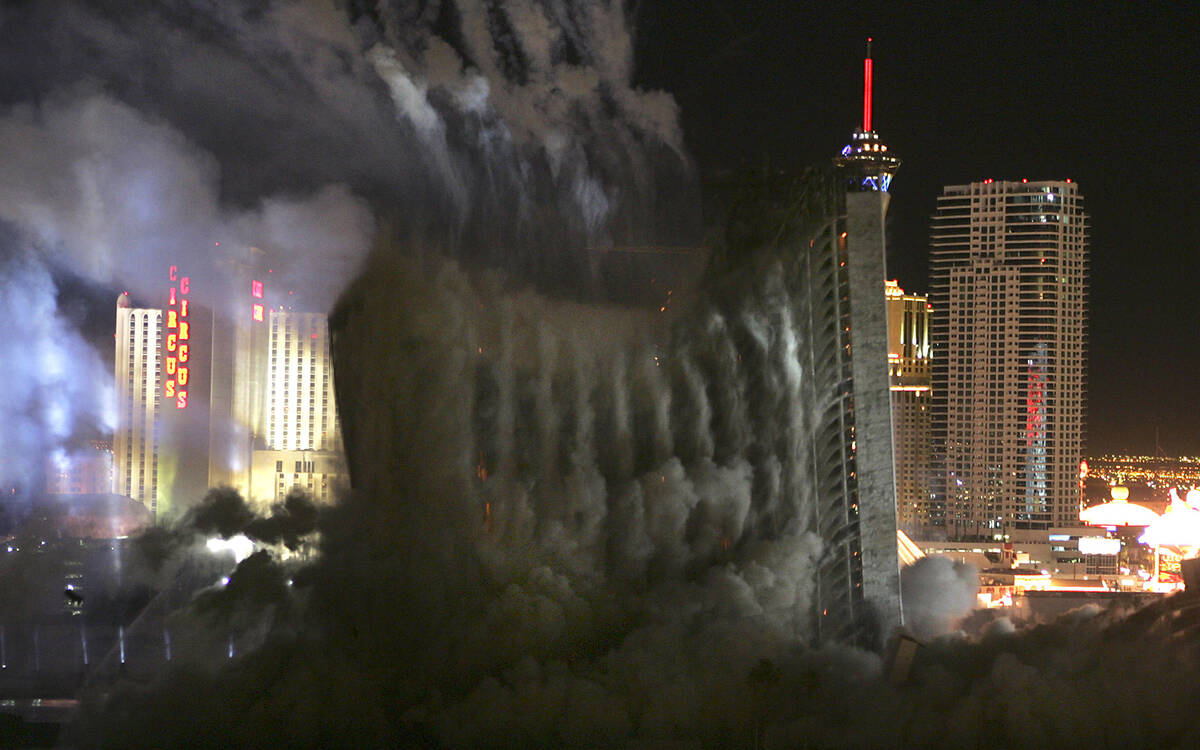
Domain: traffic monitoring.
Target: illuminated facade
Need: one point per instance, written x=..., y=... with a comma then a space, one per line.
x=185, y=390
x=301, y=441
x=1008, y=282
x=138, y=382
x=240, y=396
x=239, y=356
x=910, y=371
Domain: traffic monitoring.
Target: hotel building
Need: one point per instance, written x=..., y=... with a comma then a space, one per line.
x=138, y=382
x=910, y=370
x=302, y=443
x=1008, y=284
x=239, y=394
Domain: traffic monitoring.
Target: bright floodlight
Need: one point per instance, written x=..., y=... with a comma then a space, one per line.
x=1119, y=512
x=239, y=545
x=1193, y=498
x=1178, y=527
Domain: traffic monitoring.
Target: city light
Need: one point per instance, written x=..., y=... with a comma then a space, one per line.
x=238, y=545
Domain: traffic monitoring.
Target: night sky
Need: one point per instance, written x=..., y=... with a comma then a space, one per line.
x=1105, y=94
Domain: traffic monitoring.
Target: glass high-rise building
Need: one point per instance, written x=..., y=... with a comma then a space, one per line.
x=1008, y=284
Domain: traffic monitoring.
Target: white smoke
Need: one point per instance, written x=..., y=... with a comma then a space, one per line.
x=115, y=197
x=52, y=379
x=97, y=190
x=554, y=545
x=158, y=131
x=937, y=592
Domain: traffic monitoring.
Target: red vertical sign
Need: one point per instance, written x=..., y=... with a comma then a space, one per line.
x=178, y=335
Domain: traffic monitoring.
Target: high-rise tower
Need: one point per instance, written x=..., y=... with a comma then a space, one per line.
x=301, y=445
x=910, y=370
x=869, y=169
x=1009, y=269
x=235, y=394
x=138, y=381
x=865, y=160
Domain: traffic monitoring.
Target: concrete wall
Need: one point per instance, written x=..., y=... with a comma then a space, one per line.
x=866, y=266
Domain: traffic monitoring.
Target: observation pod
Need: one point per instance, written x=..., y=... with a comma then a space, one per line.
x=866, y=160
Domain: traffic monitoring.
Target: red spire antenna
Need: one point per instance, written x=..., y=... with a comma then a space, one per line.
x=867, y=89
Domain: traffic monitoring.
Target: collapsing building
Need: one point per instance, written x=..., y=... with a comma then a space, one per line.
x=642, y=443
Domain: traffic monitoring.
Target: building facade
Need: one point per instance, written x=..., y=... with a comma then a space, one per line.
x=910, y=369
x=234, y=394
x=302, y=444
x=138, y=383
x=1008, y=284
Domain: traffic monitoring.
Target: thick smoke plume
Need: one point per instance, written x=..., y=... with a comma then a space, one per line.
x=937, y=593
x=45, y=393
x=591, y=530
x=142, y=135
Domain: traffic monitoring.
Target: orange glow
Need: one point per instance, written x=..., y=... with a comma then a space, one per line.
x=182, y=379
x=169, y=389
x=183, y=331
x=1119, y=512
x=183, y=352
x=171, y=340
x=170, y=365
x=172, y=320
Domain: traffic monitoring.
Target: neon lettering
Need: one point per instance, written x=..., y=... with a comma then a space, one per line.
x=181, y=400
x=170, y=389
x=182, y=378
x=256, y=289
x=170, y=365
x=172, y=272
x=171, y=339
x=171, y=298
x=183, y=309
x=171, y=318
x=185, y=284
x=257, y=313
x=183, y=331
x=183, y=352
